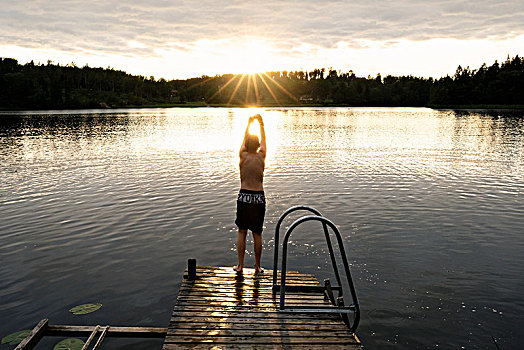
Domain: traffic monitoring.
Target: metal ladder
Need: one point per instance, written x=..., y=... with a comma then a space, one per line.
x=327, y=289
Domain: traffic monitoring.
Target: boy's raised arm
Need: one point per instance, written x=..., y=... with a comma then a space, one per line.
x=243, y=147
x=263, y=148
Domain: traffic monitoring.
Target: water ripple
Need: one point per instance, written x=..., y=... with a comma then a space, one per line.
x=107, y=207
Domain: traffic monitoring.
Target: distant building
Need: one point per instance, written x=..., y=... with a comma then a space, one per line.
x=174, y=95
x=306, y=99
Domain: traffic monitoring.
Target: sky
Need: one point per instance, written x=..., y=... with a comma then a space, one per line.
x=182, y=39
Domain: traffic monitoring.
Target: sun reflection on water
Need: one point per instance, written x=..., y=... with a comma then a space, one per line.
x=136, y=191
x=414, y=138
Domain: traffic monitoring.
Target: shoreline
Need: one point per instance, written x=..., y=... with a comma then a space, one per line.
x=314, y=105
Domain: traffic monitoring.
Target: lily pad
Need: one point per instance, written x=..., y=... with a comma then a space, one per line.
x=69, y=344
x=16, y=337
x=85, y=309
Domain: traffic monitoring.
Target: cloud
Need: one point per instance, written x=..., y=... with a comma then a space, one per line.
x=68, y=24
x=150, y=28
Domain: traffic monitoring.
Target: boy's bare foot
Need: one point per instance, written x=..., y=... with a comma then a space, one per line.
x=237, y=268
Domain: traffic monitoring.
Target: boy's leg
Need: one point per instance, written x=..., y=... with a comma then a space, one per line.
x=241, y=249
x=257, y=238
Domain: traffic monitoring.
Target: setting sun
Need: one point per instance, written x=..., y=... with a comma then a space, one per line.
x=254, y=128
x=251, y=57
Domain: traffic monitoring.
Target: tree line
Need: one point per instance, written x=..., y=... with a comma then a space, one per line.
x=52, y=86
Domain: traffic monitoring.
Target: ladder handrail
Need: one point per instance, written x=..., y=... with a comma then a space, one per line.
x=326, y=234
x=342, y=253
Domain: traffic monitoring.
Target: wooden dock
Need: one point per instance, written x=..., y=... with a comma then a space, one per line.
x=221, y=309
x=217, y=308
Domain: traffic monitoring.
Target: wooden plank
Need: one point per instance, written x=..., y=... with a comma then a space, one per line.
x=255, y=315
x=259, y=319
x=101, y=338
x=229, y=310
x=268, y=274
x=248, y=301
x=234, y=332
x=249, y=273
x=244, y=322
x=264, y=290
x=231, y=299
x=238, y=296
x=227, y=285
x=240, y=306
x=257, y=284
x=254, y=305
x=250, y=276
x=125, y=332
x=257, y=347
x=230, y=268
x=232, y=311
x=251, y=325
x=185, y=292
x=311, y=289
x=247, y=294
x=252, y=281
x=324, y=341
x=241, y=293
x=262, y=276
x=317, y=288
x=91, y=337
x=34, y=337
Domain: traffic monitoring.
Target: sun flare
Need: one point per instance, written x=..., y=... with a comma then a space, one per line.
x=249, y=57
x=254, y=128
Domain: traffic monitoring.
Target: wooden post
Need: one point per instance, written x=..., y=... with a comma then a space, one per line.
x=191, y=269
x=36, y=334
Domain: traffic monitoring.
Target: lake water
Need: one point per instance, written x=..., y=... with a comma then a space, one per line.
x=107, y=206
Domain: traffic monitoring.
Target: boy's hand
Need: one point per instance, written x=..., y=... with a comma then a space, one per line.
x=259, y=118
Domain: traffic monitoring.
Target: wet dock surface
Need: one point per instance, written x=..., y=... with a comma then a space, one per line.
x=221, y=309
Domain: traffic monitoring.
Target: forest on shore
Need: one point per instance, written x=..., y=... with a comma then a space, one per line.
x=52, y=86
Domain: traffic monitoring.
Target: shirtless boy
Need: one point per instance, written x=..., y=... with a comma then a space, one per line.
x=251, y=203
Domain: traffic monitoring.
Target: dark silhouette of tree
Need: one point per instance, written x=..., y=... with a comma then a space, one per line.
x=49, y=86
